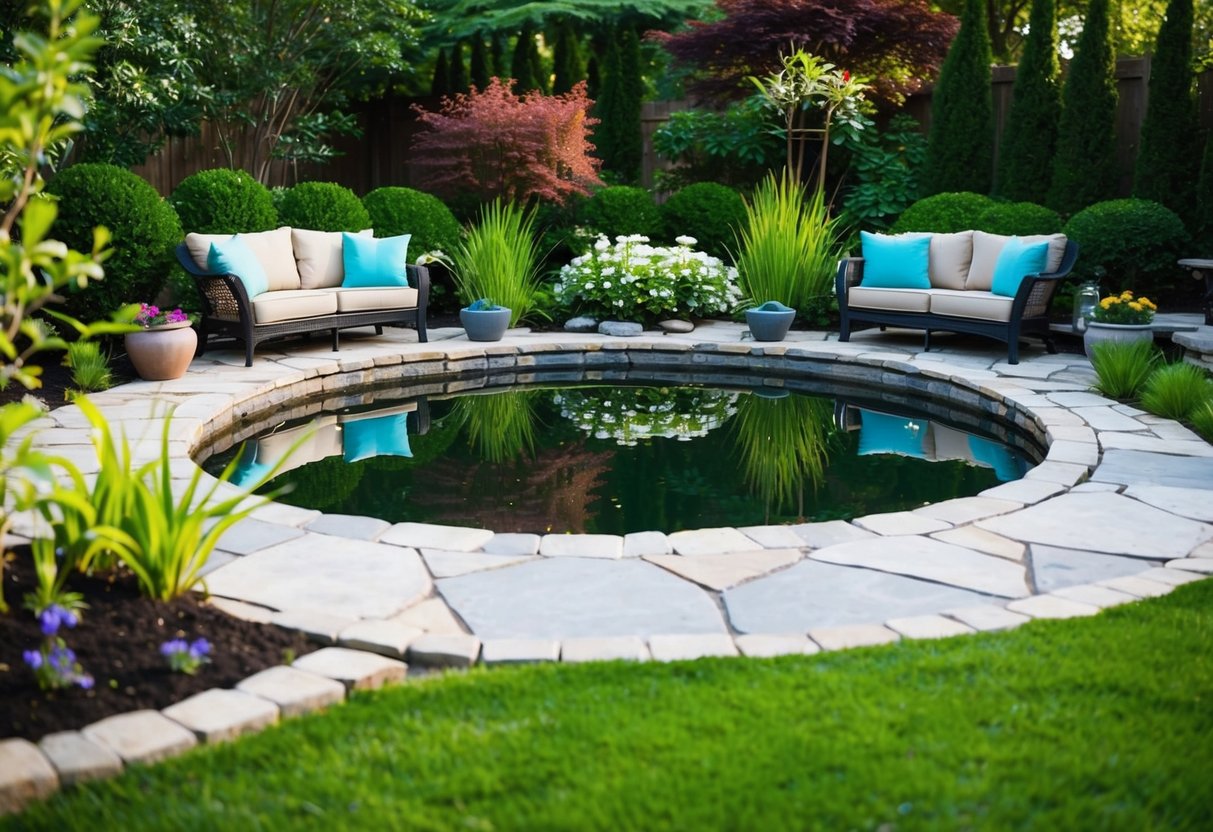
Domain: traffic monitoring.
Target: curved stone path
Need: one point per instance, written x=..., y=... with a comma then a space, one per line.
x=1119, y=510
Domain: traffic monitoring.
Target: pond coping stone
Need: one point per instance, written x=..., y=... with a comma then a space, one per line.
x=294, y=691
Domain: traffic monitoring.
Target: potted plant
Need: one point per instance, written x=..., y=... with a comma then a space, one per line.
x=498, y=259
x=165, y=345
x=770, y=321
x=483, y=320
x=1121, y=318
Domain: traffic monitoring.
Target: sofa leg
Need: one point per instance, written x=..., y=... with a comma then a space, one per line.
x=422, y=337
x=1013, y=351
x=248, y=352
x=926, y=341
x=1050, y=347
x=378, y=329
x=844, y=329
x=334, y=339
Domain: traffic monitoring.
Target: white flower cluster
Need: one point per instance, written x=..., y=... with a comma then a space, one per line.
x=629, y=279
x=632, y=414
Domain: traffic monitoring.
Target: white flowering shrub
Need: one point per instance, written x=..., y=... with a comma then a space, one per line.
x=630, y=280
x=632, y=414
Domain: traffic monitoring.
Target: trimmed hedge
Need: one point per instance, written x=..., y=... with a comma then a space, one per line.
x=622, y=209
x=1018, y=218
x=394, y=211
x=711, y=213
x=144, y=230
x=223, y=201
x=1135, y=240
x=943, y=213
x=323, y=206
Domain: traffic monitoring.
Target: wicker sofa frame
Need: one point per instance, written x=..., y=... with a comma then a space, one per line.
x=228, y=311
x=1029, y=309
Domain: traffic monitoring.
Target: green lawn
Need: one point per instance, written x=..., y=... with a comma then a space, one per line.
x=1099, y=723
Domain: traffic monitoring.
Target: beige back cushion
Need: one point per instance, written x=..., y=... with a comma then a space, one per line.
x=987, y=247
x=319, y=254
x=271, y=248
x=950, y=256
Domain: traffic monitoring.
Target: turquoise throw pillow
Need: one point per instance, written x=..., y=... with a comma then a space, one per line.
x=376, y=436
x=233, y=256
x=899, y=262
x=880, y=433
x=370, y=261
x=1017, y=260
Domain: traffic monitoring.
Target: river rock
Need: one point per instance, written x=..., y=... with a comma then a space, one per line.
x=676, y=326
x=621, y=329
x=580, y=324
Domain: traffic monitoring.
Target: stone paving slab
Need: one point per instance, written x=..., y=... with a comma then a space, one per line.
x=433, y=650
x=674, y=648
x=387, y=638
x=720, y=572
x=294, y=691
x=900, y=523
x=78, y=759
x=508, y=543
x=718, y=541
x=617, y=648
x=980, y=540
x=1096, y=596
x=450, y=564
x=987, y=617
x=430, y=536
x=852, y=635
x=317, y=626
x=349, y=525
x=966, y=510
x=26, y=775
x=141, y=736
x=1024, y=491
x=519, y=650
x=773, y=537
x=1055, y=568
x=251, y=535
x=1138, y=587
x=639, y=544
x=433, y=617
x=927, y=626
x=1130, y=467
x=932, y=560
x=829, y=532
x=219, y=715
x=241, y=610
x=769, y=646
x=1202, y=565
x=355, y=669
x=1193, y=503
x=606, y=546
x=1051, y=606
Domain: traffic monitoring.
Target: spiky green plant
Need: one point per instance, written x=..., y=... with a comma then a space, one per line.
x=789, y=245
x=1176, y=390
x=90, y=369
x=1122, y=368
x=783, y=444
x=499, y=426
x=499, y=259
x=1202, y=420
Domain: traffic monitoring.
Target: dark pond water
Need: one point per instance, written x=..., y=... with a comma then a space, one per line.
x=622, y=459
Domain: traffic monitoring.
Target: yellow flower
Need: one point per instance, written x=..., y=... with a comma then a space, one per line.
x=1126, y=294
x=1135, y=306
x=1147, y=303
x=1105, y=303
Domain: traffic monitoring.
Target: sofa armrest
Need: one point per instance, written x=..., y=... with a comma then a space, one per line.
x=1036, y=291
x=850, y=273
x=419, y=276
x=223, y=295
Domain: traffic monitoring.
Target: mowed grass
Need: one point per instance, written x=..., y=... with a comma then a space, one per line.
x=1102, y=723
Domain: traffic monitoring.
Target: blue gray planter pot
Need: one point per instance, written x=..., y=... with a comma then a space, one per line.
x=485, y=324
x=769, y=322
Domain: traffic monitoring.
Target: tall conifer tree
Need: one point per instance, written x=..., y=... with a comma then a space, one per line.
x=569, y=68
x=441, y=82
x=526, y=62
x=960, y=145
x=479, y=70
x=497, y=64
x=459, y=70
x=617, y=137
x=1025, y=158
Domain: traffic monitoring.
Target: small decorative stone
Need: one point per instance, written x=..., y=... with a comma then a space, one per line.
x=219, y=715
x=620, y=329
x=78, y=759
x=294, y=691
x=25, y=774
x=676, y=327
x=437, y=650
x=582, y=323
x=355, y=669
x=141, y=736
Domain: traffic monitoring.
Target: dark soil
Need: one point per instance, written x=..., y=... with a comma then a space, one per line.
x=57, y=380
x=118, y=642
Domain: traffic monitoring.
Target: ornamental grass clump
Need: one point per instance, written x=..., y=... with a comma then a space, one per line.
x=1124, y=309
x=1121, y=368
x=1176, y=391
x=1202, y=420
x=631, y=280
x=90, y=368
x=499, y=259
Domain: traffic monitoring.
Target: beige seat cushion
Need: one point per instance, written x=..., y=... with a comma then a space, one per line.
x=324, y=441
x=970, y=303
x=319, y=255
x=376, y=297
x=949, y=259
x=896, y=300
x=987, y=247
x=951, y=443
x=289, y=304
x=271, y=248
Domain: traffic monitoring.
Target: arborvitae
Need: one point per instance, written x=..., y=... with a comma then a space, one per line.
x=1203, y=224
x=593, y=77
x=617, y=137
x=1084, y=167
x=960, y=146
x=1168, y=161
x=459, y=70
x=441, y=84
x=497, y=65
x=479, y=71
x=526, y=62
x=567, y=58
x=1025, y=159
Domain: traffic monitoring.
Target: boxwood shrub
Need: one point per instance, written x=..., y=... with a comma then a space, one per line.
x=1018, y=218
x=1135, y=241
x=709, y=212
x=945, y=213
x=395, y=211
x=323, y=206
x=622, y=209
x=223, y=201
x=143, y=226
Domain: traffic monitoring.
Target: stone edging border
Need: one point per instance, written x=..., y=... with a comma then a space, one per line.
x=203, y=410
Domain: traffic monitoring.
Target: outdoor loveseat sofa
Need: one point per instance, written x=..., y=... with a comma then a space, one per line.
x=306, y=286
x=970, y=282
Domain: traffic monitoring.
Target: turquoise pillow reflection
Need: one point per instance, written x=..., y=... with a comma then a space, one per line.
x=249, y=469
x=377, y=436
x=999, y=457
x=881, y=433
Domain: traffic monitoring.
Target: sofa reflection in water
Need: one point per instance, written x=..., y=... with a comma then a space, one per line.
x=886, y=433
x=353, y=436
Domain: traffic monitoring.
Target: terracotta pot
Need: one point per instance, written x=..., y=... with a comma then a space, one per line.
x=162, y=352
x=1097, y=333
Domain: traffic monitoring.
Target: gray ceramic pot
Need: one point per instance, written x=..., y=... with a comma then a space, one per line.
x=485, y=324
x=769, y=322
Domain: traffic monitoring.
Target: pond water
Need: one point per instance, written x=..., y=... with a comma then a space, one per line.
x=620, y=459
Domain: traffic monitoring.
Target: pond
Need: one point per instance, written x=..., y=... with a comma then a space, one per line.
x=588, y=458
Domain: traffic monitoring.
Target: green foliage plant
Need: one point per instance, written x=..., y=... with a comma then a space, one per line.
x=788, y=246
x=1202, y=420
x=1134, y=240
x=783, y=444
x=960, y=146
x=1202, y=219
x=885, y=170
x=479, y=71
x=143, y=226
x=525, y=65
x=223, y=201
x=943, y=213
x=1168, y=162
x=708, y=211
x=735, y=145
x=622, y=209
x=1084, y=166
x=1121, y=368
x=323, y=206
x=1175, y=391
x=90, y=367
x=459, y=71
x=1025, y=157
x=499, y=259
x=568, y=67
x=499, y=426
x=617, y=137
x=394, y=211
x=1018, y=219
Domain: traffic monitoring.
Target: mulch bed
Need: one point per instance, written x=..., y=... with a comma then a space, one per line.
x=118, y=642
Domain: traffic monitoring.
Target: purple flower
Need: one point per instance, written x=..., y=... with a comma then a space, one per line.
x=85, y=682
x=62, y=660
x=199, y=648
x=33, y=658
x=55, y=616
x=177, y=645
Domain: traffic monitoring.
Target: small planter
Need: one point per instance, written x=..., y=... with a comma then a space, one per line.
x=485, y=324
x=162, y=352
x=769, y=322
x=1097, y=333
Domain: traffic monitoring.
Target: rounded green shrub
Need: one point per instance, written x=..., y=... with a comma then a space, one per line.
x=144, y=229
x=945, y=213
x=1135, y=241
x=223, y=201
x=713, y=214
x=1018, y=218
x=323, y=206
x=622, y=209
x=396, y=211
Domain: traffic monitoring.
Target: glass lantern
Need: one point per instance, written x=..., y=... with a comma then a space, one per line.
x=1085, y=302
